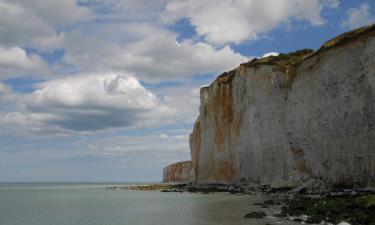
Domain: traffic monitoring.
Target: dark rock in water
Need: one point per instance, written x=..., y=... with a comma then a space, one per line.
x=172, y=190
x=314, y=219
x=235, y=189
x=269, y=202
x=298, y=220
x=255, y=215
x=192, y=189
x=279, y=215
x=257, y=203
x=206, y=189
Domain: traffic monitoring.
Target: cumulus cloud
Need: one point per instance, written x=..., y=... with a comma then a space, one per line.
x=240, y=20
x=88, y=103
x=35, y=23
x=84, y=103
x=178, y=104
x=168, y=59
x=56, y=12
x=16, y=61
x=357, y=17
x=124, y=32
x=91, y=102
x=140, y=10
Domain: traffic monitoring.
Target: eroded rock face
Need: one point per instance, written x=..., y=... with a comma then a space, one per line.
x=291, y=117
x=180, y=172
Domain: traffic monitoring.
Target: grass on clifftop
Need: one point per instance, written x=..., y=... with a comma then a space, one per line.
x=285, y=63
x=345, y=38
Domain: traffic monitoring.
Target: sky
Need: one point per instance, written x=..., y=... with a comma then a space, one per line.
x=108, y=90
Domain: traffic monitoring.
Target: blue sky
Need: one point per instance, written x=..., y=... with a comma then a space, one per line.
x=95, y=90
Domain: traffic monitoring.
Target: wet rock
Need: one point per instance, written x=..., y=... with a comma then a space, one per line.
x=357, y=210
x=235, y=189
x=255, y=215
x=279, y=215
x=269, y=202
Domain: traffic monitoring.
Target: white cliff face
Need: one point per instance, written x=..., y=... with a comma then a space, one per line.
x=331, y=114
x=259, y=125
x=178, y=172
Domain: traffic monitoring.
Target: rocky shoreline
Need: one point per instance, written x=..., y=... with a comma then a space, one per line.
x=302, y=204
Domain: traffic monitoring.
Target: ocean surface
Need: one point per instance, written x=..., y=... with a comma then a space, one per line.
x=91, y=204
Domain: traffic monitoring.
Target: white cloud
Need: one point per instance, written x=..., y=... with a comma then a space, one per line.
x=120, y=32
x=270, y=54
x=15, y=61
x=221, y=22
x=109, y=90
x=331, y=3
x=94, y=102
x=136, y=10
x=88, y=103
x=167, y=59
x=56, y=12
x=178, y=104
x=82, y=103
x=34, y=23
x=358, y=17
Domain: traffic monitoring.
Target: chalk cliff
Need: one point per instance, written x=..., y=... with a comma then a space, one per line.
x=178, y=172
x=283, y=119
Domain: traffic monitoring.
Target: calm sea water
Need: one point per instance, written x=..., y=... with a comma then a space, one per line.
x=91, y=204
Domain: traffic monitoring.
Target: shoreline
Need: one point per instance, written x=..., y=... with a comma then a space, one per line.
x=333, y=206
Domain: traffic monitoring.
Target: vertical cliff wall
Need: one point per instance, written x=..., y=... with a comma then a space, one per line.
x=180, y=172
x=282, y=119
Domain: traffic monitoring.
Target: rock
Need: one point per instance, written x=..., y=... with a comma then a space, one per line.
x=269, y=202
x=279, y=215
x=343, y=223
x=255, y=215
x=358, y=210
x=235, y=189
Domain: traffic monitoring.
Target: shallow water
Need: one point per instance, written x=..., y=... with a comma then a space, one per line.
x=91, y=204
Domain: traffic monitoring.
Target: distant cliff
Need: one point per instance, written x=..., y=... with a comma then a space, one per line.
x=293, y=117
x=178, y=173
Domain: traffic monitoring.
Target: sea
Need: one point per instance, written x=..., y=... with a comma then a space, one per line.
x=92, y=204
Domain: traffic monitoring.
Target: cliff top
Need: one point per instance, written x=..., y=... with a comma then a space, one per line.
x=180, y=164
x=287, y=63
x=348, y=37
